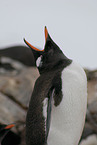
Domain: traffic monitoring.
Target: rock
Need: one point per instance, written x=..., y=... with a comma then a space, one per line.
x=91, y=140
x=88, y=130
x=92, y=91
x=18, y=83
x=91, y=118
x=92, y=100
x=91, y=74
x=10, y=112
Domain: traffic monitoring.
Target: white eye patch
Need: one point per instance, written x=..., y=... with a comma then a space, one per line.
x=39, y=61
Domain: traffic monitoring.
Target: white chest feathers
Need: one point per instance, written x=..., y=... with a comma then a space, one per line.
x=67, y=120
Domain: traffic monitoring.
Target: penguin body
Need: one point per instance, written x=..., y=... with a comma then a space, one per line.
x=68, y=89
x=19, y=53
x=67, y=120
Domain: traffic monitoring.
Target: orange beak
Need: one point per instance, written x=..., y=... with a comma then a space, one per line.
x=9, y=126
x=34, y=48
x=46, y=34
x=31, y=46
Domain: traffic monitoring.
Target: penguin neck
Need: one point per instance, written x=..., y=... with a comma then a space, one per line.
x=58, y=65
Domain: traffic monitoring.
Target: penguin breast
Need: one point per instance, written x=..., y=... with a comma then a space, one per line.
x=67, y=120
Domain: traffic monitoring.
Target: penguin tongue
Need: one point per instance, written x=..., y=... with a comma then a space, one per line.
x=31, y=46
x=9, y=126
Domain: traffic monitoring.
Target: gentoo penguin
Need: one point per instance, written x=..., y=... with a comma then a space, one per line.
x=66, y=84
x=4, y=129
x=18, y=53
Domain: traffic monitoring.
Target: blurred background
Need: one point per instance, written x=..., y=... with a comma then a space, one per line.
x=72, y=24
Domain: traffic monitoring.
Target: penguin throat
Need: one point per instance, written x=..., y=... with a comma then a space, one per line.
x=58, y=65
x=39, y=61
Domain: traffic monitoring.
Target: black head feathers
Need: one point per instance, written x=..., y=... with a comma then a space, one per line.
x=50, y=56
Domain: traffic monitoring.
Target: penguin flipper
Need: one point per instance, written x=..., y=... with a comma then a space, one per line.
x=49, y=110
x=57, y=84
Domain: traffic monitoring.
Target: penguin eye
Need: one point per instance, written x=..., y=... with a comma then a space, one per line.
x=39, y=61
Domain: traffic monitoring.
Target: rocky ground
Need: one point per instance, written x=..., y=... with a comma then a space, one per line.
x=16, y=85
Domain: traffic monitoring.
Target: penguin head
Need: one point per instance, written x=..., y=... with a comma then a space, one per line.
x=50, y=56
x=4, y=129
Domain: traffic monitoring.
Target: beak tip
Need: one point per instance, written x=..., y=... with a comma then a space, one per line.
x=45, y=27
x=24, y=40
x=46, y=33
x=9, y=126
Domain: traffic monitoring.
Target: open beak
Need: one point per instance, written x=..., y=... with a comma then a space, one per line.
x=31, y=46
x=9, y=126
x=34, y=48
